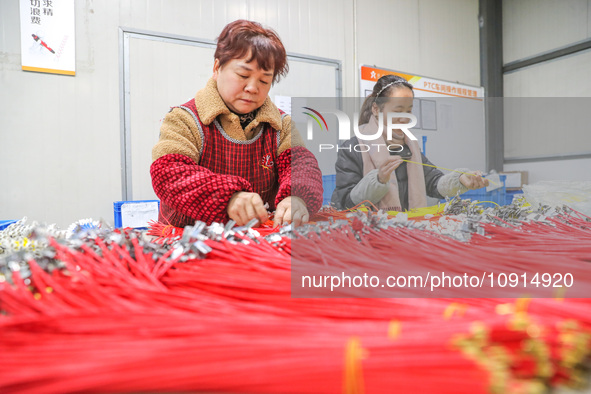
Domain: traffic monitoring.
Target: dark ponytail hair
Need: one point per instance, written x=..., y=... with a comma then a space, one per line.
x=381, y=90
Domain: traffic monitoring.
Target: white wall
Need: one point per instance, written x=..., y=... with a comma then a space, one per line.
x=433, y=38
x=559, y=170
x=531, y=27
x=60, y=136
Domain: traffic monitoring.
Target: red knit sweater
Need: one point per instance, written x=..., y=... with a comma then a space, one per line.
x=191, y=191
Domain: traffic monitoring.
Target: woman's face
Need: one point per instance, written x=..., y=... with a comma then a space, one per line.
x=243, y=86
x=400, y=100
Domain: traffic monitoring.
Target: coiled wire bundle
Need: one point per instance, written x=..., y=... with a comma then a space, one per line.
x=213, y=310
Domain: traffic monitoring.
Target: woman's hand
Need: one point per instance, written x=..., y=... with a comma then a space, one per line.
x=245, y=206
x=475, y=181
x=291, y=210
x=386, y=168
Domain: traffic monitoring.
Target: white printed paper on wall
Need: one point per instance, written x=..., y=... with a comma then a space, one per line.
x=283, y=103
x=48, y=42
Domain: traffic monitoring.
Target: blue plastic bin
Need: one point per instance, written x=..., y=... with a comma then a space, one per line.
x=512, y=194
x=117, y=210
x=6, y=223
x=328, y=183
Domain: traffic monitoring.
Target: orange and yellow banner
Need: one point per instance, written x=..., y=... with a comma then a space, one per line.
x=423, y=86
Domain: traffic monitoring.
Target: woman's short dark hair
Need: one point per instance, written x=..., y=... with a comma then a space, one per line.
x=241, y=37
x=381, y=90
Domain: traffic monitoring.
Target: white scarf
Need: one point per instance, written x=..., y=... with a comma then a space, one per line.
x=374, y=157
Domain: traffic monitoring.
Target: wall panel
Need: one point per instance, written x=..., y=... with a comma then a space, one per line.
x=439, y=39
x=531, y=27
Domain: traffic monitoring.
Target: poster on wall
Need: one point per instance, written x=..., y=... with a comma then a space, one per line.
x=48, y=40
x=423, y=86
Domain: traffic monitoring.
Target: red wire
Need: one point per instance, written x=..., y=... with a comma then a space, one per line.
x=119, y=321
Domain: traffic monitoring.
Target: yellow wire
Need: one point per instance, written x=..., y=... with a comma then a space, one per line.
x=492, y=202
x=447, y=169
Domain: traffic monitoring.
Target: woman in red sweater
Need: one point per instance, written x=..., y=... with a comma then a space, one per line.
x=230, y=153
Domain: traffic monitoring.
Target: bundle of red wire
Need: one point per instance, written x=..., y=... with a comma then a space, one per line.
x=122, y=318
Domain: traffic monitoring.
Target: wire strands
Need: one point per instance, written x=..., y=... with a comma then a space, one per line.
x=110, y=311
